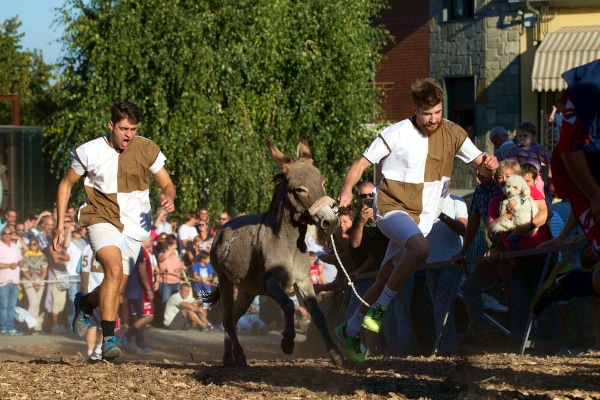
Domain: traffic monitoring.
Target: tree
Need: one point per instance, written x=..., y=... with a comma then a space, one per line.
x=25, y=74
x=215, y=78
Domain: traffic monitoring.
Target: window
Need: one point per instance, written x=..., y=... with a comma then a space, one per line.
x=458, y=9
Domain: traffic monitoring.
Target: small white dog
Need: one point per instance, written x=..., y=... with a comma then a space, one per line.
x=516, y=188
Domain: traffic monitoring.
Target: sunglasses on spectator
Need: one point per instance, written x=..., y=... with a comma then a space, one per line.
x=223, y=219
x=201, y=224
x=7, y=233
x=20, y=230
x=365, y=195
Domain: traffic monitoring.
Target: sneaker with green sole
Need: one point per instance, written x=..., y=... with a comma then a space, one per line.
x=552, y=290
x=354, y=349
x=373, y=318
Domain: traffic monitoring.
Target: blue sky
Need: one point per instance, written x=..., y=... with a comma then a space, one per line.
x=37, y=17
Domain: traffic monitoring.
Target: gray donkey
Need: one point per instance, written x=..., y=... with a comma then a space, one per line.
x=266, y=253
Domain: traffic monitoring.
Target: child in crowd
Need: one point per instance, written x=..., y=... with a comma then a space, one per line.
x=530, y=151
x=202, y=274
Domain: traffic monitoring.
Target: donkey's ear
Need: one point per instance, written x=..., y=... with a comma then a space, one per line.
x=303, y=150
x=279, y=158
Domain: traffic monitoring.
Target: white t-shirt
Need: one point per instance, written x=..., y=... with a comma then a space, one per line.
x=173, y=307
x=187, y=232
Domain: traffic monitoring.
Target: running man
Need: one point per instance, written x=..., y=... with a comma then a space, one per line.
x=117, y=212
x=416, y=156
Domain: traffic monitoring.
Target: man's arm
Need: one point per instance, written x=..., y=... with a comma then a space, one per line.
x=167, y=198
x=352, y=177
x=579, y=170
x=62, y=199
x=485, y=163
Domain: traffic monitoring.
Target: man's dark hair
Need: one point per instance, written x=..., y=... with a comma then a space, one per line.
x=527, y=168
x=121, y=110
x=426, y=93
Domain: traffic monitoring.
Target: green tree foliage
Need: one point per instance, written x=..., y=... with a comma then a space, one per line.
x=215, y=78
x=23, y=73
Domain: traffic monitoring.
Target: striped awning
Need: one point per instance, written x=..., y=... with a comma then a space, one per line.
x=562, y=50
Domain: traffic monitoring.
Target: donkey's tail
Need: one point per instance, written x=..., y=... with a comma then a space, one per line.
x=211, y=298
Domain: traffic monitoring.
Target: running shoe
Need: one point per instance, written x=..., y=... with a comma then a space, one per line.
x=13, y=332
x=110, y=348
x=81, y=321
x=354, y=349
x=552, y=290
x=143, y=350
x=373, y=318
x=95, y=357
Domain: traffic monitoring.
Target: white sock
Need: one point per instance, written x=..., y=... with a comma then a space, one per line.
x=354, y=324
x=90, y=352
x=386, y=297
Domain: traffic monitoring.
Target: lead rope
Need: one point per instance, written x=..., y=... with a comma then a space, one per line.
x=350, y=283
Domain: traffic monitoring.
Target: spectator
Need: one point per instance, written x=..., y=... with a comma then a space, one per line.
x=187, y=231
x=170, y=267
x=160, y=224
x=202, y=274
x=204, y=216
x=30, y=225
x=301, y=315
x=71, y=214
x=484, y=272
x=19, y=238
x=251, y=322
x=44, y=235
x=10, y=218
x=56, y=294
x=34, y=272
x=140, y=298
x=446, y=238
x=183, y=311
x=530, y=151
x=525, y=272
x=502, y=145
x=75, y=251
x=316, y=269
x=204, y=236
x=92, y=275
x=342, y=245
x=11, y=261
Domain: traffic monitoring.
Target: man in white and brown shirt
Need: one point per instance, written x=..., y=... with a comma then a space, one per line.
x=416, y=157
x=117, y=212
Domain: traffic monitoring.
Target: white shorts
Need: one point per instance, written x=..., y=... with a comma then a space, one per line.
x=398, y=226
x=105, y=234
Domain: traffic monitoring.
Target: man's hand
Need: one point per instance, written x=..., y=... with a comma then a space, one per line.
x=490, y=162
x=167, y=203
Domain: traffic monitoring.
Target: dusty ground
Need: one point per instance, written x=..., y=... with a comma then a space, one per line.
x=187, y=365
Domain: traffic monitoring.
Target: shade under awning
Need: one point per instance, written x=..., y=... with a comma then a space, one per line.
x=562, y=50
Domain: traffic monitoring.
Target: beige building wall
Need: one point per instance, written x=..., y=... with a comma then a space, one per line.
x=531, y=102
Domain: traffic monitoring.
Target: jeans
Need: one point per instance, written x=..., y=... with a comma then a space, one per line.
x=523, y=286
x=396, y=326
x=8, y=301
x=71, y=292
x=483, y=274
x=443, y=291
x=166, y=290
x=247, y=322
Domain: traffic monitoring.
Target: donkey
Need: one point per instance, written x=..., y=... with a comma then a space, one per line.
x=266, y=253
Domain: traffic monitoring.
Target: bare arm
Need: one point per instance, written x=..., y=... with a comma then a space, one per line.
x=167, y=198
x=62, y=199
x=486, y=164
x=579, y=169
x=352, y=177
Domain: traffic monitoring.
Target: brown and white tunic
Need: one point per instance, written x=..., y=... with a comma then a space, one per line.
x=117, y=184
x=416, y=168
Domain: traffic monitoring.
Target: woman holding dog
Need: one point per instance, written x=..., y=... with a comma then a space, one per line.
x=526, y=271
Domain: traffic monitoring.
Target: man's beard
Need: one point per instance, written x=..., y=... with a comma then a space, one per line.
x=424, y=128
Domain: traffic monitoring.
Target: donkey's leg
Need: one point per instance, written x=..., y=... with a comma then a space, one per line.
x=307, y=294
x=233, y=354
x=286, y=304
x=240, y=307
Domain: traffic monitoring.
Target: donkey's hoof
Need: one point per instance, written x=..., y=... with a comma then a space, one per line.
x=287, y=345
x=336, y=357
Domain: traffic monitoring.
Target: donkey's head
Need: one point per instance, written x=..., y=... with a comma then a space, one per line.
x=304, y=188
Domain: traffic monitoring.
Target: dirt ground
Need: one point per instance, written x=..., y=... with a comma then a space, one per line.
x=187, y=365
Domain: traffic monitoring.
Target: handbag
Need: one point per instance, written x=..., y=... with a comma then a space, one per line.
x=63, y=281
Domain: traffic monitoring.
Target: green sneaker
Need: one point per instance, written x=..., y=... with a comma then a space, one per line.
x=354, y=349
x=552, y=290
x=373, y=318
